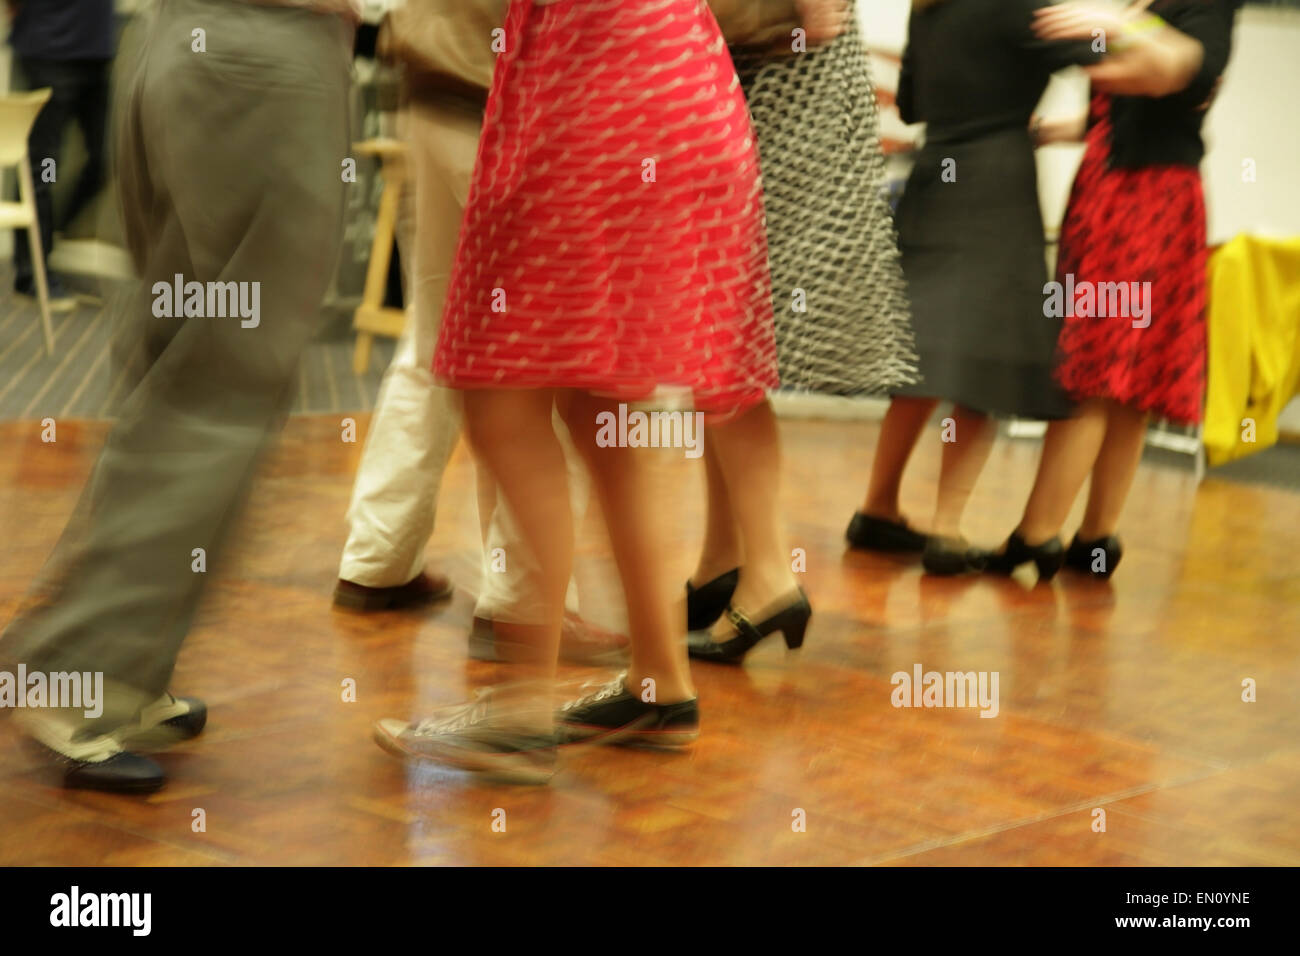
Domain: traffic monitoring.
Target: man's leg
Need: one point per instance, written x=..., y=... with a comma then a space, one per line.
x=90, y=109
x=416, y=423
x=45, y=144
x=260, y=205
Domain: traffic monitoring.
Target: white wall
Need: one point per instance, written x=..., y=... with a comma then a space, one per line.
x=884, y=23
x=1256, y=116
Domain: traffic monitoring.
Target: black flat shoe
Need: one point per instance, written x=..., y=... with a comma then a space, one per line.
x=706, y=604
x=876, y=534
x=124, y=772
x=1048, y=556
x=946, y=557
x=1083, y=556
x=791, y=621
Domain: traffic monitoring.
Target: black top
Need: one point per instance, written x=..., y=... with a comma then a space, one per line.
x=973, y=67
x=1149, y=131
x=63, y=30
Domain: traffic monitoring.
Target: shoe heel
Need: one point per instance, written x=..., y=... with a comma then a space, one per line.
x=1049, y=565
x=794, y=627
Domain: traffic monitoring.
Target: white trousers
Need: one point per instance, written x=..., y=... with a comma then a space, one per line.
x=416, y=423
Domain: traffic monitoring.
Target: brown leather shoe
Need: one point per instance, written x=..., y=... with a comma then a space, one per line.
x=580, y=643
x=422, y=589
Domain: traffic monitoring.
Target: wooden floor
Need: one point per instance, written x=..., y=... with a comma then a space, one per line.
x=1125, y=697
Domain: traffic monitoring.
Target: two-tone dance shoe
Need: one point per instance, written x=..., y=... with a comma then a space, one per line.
x=612, y=714
x=102, y=761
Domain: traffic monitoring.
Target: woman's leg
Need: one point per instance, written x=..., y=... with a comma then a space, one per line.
x=899, y=431
x=623, y=485
x=511, y=433
x=723, y=548
x=1112, y=475
x=748, y=450
x=1069, y=451
x=963, y=460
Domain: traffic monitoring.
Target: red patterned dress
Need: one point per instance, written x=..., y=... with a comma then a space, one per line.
x=1136, y=225
x=613, y=239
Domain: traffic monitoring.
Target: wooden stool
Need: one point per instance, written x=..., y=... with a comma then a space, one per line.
x=372, y=317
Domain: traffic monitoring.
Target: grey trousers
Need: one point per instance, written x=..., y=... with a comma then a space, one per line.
x=229, y=170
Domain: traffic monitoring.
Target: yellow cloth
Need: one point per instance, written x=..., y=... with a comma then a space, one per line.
x=1253, y=324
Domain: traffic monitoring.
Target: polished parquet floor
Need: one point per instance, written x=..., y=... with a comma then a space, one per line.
x=1125, y=697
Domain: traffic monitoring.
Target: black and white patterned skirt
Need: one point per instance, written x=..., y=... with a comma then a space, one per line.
x=842, y=319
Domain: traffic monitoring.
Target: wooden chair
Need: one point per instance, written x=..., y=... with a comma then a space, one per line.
x=372, y=317
x=18, y=111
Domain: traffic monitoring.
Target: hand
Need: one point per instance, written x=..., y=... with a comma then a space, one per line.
x=823, y=20
x=1122, y=75
x=1065, y=129
x=1133, y=74
x=1078, y=21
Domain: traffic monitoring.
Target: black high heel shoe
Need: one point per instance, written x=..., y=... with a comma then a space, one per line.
x=791, y=621
x=706, y=604
x=946, y=557
x=1083, y=555
x=1048, y=556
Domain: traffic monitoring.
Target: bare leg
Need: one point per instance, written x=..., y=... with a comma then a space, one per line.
x=513, y=439
x=899, y=431
x=722, y=548
x=656, y=615
x=1112, y=475
x=748, y=450
x=1069, y=451
x=963, y=460
x=487, y=499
